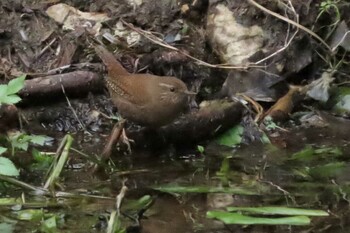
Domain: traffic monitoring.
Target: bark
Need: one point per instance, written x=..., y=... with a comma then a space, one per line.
x=75, y=83
x=206, y=123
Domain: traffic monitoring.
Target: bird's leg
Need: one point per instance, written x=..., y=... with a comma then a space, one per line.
x=124, y=139
x=116, y=133
x=107, y=151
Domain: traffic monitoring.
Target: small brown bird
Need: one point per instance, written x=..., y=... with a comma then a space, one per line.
x=145, y=99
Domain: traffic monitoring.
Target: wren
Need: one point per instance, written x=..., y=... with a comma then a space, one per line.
x=145, y=99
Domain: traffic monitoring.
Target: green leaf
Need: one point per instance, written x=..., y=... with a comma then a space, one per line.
x=265, y=139
x=30, y=214
x=336, y=151
x=8, y=92
x=329, y=170
x=225, y=166
x=22, y=145
x=41, y=157
x=232, y=137
x=3, y=90
x=9, y=201
x=275, y=210
x=136, y=205
x=39, y=139
x=234, y=218
x=21, y=141
x=269, y=123
x=306, y=154
x=310, y=153
x=49, y=225
x=2, y=150
x=200, y=149
x=11, y=99
x=42, y=160
x=7, y=227
x=7, y=168
x=341, y=101
x=15, y=85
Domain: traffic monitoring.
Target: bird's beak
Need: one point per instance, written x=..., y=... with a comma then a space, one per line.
x=187, y=92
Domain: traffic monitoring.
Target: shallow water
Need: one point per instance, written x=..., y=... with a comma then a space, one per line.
x=267, y=170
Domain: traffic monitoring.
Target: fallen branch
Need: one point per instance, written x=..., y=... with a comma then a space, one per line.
x=209, y=121
x=76, y=83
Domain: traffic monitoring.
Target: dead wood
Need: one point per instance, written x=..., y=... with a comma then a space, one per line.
x=209, y=121
x=75, y=83
x=8, y=117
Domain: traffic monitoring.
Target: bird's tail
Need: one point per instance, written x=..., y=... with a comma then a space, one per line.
x=110, y=61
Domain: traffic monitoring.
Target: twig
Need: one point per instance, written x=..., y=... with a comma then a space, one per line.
x=23, y=184
x=287, y=43
x=291, y=22
x=75, y=66
x=116, y=213
x=130, y=172
x=120, y=196
x=73, y=110
x=258, y=108
x=59, y=70
x=42, y=191
x=160, y=42
x=285, y=192
x=93, y=159
x=45, y=48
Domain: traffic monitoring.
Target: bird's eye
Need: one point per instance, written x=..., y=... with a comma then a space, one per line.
x=172, y=89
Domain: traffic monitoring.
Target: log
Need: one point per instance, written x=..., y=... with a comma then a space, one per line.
x=8, y=118
x=212, y=119
x=75, y=83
